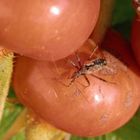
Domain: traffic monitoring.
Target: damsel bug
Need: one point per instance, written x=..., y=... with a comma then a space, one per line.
x=82, y=70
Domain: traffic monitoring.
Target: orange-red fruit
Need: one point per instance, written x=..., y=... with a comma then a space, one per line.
x=48, y=29
x=79, y=109
x=135, y=38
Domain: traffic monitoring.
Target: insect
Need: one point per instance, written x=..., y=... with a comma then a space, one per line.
x=92, y=66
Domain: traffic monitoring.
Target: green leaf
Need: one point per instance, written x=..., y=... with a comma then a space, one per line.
x=19, y=136
x=11, y=112
x=123, y=12
x=123, y=16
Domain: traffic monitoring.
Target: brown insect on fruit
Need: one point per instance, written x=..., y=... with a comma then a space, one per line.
x=88, y=68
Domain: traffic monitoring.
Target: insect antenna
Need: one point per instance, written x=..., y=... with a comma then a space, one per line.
x=93, y=52
x=78, y=59
x=95, y=49
x=73, y=64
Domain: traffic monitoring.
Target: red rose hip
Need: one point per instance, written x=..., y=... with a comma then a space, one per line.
x=48, y=29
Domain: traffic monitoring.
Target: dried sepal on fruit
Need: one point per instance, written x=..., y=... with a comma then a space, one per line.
x=6, y=69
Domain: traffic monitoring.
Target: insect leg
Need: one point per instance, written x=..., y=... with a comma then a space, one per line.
x=71, y=82
x=102, y=79
x=87, y=80
x=98, y=78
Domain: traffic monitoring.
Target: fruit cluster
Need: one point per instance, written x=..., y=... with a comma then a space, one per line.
x=62, y=74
